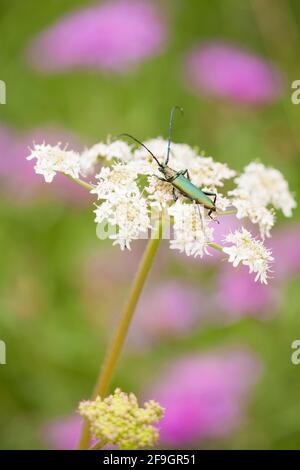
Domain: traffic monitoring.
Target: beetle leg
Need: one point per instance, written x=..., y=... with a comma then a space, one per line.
x=160, y=178
x=210, y=216
x=166, y=180
x=209, y=193
x=186, y=172
x=175, y=197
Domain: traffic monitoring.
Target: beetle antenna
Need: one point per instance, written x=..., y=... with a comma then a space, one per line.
x=178, y=108
x=143, y=145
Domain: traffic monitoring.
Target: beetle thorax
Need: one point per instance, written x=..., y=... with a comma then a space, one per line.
x=169, y=173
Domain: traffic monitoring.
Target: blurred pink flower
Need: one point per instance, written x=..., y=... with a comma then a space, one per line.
x=63, y=433
x=119, y=267
x=285, y=245
x=205, y=395
x=6, y=139
x=239, y=296
x=16, y=173
x=227, y=223
x=237, y=293
x=111, y=36
x=171, y=308
x=224, y=70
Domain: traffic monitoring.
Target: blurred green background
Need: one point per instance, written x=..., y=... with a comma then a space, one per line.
x=55, y=315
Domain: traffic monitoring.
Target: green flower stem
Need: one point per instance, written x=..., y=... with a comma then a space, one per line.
x=81, y=183
x=229, y=212
x=216, y=246
x=117, y=342
x=98, y=445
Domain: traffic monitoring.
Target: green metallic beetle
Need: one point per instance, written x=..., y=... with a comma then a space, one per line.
x=179, y=181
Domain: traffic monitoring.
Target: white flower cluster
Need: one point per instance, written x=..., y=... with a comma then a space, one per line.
x=50, y=160
x=249, y=251
x=122, y=204
x=204, y=171
x=258, y=188
x=129, y=190
x=191, y=231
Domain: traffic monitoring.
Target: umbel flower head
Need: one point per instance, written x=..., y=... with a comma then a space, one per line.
x=131, y=196
x=118, y=420
x=53, y=159
x=250, y=252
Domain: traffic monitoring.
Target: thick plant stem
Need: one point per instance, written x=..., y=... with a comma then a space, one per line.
x=117, y=342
